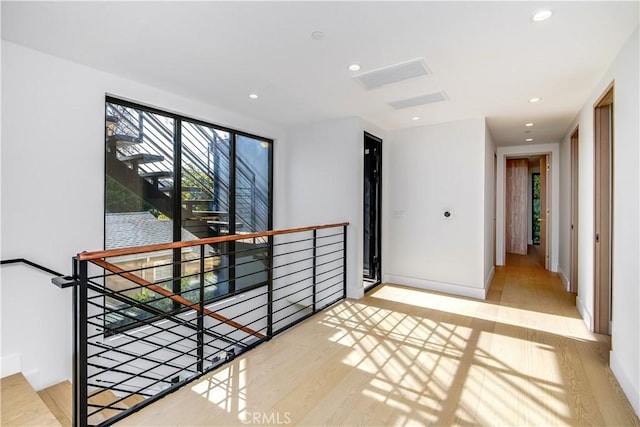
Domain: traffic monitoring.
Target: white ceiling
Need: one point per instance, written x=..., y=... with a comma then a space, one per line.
x=489, y=57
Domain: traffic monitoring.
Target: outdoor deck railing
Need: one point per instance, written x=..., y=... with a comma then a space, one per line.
x=148, y=320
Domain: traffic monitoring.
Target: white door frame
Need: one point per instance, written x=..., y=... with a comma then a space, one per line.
x=553, y=202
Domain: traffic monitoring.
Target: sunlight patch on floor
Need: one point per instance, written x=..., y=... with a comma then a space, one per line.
x=226, y=388
x=420, y=360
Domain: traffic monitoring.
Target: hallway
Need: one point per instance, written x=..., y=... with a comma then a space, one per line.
x=403, y=356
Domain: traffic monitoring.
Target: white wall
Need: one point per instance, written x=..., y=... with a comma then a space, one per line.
x=553, y=201
x=434, y=169
x=489, y=208
x=564, y=257
x=625, y=354
x=36, y=326
x=53, y=168
x=325, y=167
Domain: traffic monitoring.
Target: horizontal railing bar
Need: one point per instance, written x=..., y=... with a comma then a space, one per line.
x=135, y=339
x=121, y=312
x=329, y=278
x=103, y=357
x=293, y=303
x=341, y=234
x=331, y=294
x=308, y=249
x=294, y=262
x=117, y=371
x=281, y=287
x=142, y=370
x=280, y=254
x=134, y=388
x=292, y=273
x=291, y=242
x=90, y=256
x=254, y=321
x=292, y=314
x=241, y=301
x=195, y=373
x=128, y=353
x=296, y=292
x=174, y=297
x=329, y=262
x=142, y=374
x=331, y=270
x=155, y=347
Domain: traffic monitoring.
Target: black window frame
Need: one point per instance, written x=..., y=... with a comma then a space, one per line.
x=177, y=199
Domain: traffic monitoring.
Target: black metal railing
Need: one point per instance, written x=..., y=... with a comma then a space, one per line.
x=168, y=338
x=30, y=264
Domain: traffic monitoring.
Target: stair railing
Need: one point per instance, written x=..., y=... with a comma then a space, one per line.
x=30, y=264
x=132, y=345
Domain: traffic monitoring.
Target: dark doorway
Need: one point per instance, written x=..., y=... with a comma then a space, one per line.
x=372, y=209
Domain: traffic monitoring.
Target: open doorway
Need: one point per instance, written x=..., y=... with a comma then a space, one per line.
x=553, y=197
x=372, y=223
x=526, y=210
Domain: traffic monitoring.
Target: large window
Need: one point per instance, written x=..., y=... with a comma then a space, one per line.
x=171, y=178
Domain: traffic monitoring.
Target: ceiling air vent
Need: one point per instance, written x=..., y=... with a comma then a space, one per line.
x=393, y=73
x=419, y=100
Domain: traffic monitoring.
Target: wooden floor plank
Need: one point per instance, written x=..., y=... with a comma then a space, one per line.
x=404, y=356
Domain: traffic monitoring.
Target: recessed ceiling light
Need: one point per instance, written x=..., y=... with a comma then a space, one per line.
x=542, y=15
x=528, y=124
x=529, y=139
x=317, y=35
x=354, y=67
x=415, y=118
x=253, y=95
x=536, y=99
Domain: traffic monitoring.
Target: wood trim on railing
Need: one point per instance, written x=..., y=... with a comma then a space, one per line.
x=89, y=256
x=177, y=298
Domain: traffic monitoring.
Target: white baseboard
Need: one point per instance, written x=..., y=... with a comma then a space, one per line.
x=565, y=279
x=487, y=282
x=630, y=390
x=584, y=313
x=10, y=364
x=430, y=285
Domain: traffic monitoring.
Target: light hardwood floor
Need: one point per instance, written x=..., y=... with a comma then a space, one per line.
x=402, y=357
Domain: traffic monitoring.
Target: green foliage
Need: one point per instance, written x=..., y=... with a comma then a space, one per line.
x=196, y=177
x=118, y=198
x=536, y=208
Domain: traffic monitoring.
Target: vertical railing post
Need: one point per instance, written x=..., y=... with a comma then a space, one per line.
x=201, y=314
x=344, y=262
x=315, y=262
x=80, y=394
x=270, y=287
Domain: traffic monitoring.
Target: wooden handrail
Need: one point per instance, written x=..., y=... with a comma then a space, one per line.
x=90, y=256
x=174, y=297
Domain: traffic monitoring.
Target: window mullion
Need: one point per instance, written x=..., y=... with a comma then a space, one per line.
x=177, y=208
x=232, y=211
